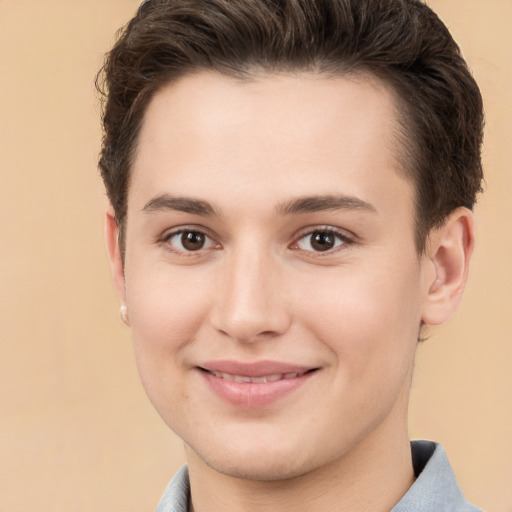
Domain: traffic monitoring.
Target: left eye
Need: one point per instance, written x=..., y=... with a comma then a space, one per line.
x=189, y=240
x=321, y=241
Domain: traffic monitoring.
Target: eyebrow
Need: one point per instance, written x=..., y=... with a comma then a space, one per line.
x=310, y=204
x=323, y=203
x=181, y=204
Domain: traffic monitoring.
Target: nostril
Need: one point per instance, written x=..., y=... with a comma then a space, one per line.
x=248, y=337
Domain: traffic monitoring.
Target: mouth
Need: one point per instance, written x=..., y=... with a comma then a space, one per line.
x=254, y=385
x=245, y=379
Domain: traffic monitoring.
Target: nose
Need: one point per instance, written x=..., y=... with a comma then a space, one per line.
x=250, y=304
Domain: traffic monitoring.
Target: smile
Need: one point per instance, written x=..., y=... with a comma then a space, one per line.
x=254, y=385
x=263, y=379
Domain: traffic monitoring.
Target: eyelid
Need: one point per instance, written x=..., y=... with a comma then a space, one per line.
x=346, y=239
x=172, y=232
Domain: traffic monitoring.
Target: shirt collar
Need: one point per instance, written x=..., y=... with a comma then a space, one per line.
x=177, y=494
x=435, y=488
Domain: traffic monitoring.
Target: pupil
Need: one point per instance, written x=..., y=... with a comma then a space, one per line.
x=322, y=241
x=192, y=240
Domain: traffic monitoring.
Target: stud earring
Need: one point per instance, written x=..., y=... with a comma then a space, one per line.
x=123, y=315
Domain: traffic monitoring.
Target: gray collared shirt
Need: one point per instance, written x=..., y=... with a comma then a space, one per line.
x=435, y=488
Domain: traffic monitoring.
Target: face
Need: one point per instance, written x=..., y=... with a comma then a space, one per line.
x=271, y=277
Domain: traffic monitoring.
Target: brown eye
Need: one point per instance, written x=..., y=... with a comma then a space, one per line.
x=189, y=240
x=321, y=241
x=192, y=240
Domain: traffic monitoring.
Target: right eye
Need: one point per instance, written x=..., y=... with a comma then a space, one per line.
x=189, y=240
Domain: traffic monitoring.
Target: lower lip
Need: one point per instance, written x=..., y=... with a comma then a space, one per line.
x=253, y=395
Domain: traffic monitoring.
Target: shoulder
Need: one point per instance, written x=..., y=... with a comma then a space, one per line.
x=177, y=494
x=436, y=488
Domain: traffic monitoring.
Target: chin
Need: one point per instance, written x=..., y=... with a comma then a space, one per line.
x=256, y=463
x=256, y=470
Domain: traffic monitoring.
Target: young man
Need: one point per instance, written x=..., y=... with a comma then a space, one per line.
x=291, y=185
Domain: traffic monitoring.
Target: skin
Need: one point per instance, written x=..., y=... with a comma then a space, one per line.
x=259, y=290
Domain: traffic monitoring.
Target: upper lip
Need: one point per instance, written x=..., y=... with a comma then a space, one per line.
x=254, y=369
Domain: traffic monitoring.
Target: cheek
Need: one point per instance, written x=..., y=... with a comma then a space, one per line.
x=369, y=320
x=166, y=304
x=166, y=311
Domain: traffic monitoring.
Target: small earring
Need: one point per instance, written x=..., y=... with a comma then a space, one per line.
x=123, y=315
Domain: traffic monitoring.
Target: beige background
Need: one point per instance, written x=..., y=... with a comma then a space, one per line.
x=76, y=431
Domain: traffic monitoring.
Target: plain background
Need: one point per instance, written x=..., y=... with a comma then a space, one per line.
x=76, y=430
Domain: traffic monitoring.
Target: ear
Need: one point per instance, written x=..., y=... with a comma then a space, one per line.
x=114, y=254
x=449, y=250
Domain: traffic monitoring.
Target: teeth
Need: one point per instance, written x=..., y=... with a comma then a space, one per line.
x=272, y=378
x=237, y=378
x=266, y=378
x=259, y=379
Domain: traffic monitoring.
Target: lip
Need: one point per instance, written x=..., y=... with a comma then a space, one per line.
x=254, y=385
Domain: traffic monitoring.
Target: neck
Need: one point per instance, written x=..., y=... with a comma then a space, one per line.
x=372, y=477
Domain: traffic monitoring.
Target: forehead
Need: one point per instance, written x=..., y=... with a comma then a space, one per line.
x=283, y=130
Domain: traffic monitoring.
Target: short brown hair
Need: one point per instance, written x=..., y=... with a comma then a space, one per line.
x=402, y=42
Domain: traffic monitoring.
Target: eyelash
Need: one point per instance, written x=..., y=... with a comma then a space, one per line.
x=341, y=239
x=166, y=241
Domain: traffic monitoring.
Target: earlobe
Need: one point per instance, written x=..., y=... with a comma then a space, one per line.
x=114, y=254
x=449, y=252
